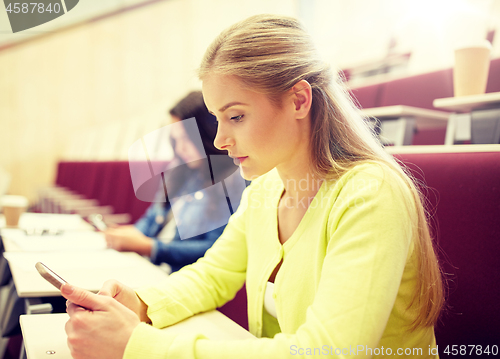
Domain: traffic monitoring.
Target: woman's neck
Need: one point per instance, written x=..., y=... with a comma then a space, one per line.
x=299, y=181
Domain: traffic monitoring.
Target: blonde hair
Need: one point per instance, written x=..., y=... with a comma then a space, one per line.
x=271, y=54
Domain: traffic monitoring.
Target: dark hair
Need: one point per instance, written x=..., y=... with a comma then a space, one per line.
x=193, y=106
x=215, y=168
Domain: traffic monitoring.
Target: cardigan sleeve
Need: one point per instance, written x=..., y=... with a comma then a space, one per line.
x=368, y=241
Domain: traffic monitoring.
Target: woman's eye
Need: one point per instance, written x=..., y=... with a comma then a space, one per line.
x=237, y=118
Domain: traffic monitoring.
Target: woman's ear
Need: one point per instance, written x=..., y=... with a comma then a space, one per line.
x=302, y=98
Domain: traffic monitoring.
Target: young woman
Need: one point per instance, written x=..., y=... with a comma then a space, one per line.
x=331, y=236
x=167, y=233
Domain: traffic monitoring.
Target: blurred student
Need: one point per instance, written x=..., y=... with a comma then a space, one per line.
x=181, y=230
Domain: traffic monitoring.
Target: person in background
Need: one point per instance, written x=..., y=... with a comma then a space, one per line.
x=179, y=234
x=331, y=237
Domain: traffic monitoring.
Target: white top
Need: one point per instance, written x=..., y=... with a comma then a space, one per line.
x=269, y=304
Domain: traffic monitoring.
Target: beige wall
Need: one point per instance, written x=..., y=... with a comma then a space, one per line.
x=89, y=85
x=91, y=91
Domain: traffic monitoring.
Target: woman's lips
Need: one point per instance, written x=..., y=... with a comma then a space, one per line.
x=239, y=160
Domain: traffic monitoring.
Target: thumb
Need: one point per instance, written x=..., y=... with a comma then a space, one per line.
x=82, y=297
x=110, y=288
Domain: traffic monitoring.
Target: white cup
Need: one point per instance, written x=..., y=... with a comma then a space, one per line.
x=13, y=207
x=470, y=73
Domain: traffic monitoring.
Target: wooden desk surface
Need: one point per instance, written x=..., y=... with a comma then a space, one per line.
x=468, y=103
x=442, y=149
x=424, y=117
x=66, y=222
x=17, y=240
x=78, y=255
x=44, y=333
x=86, y=269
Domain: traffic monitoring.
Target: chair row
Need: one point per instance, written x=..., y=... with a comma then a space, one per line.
x=419, y=91
x=463, y=195
x=93, y=187
x=463, y=202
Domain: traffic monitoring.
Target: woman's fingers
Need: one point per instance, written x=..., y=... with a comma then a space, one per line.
x=72, y=308
x=82, y=297
x=97, y=334
x=111, y=288
x=124, y=295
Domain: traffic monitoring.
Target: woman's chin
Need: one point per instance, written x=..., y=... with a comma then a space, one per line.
x=245, y=173
x=248, y=174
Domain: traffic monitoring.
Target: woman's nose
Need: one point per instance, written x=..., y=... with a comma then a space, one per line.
x=223, y=140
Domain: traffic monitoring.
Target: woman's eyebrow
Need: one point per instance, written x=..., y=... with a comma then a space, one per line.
x=225, y=107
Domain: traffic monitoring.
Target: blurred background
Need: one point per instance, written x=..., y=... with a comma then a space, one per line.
x=88, y=84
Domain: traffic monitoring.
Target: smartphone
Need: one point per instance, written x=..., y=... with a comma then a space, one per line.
x=97, y=222
x=50, y=275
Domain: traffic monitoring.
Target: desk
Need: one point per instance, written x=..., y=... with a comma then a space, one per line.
x=86, y=269
x=77, y=235
x=476, y=118
x=441, y=149
x=16, y=240
x=469, y=103
x=79, y=255
x=398, y=122
x=72, y=233
x=44, y=333
x=63, y=222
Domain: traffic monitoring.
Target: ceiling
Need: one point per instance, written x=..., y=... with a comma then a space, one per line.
x=84, y=10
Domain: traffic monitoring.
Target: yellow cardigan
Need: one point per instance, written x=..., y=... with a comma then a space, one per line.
x=343, y=289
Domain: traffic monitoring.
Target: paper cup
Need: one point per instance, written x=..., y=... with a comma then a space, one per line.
x=13, y=207
x=470, y=73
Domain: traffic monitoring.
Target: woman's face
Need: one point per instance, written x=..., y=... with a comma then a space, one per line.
x=254, y=131
x=184, y=147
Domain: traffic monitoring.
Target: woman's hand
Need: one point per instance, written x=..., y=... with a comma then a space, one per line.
x=99, y=326
x=126, y=296
x=128, y=238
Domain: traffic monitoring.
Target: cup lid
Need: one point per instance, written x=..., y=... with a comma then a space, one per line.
x=13, y=201
x=481, y=44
